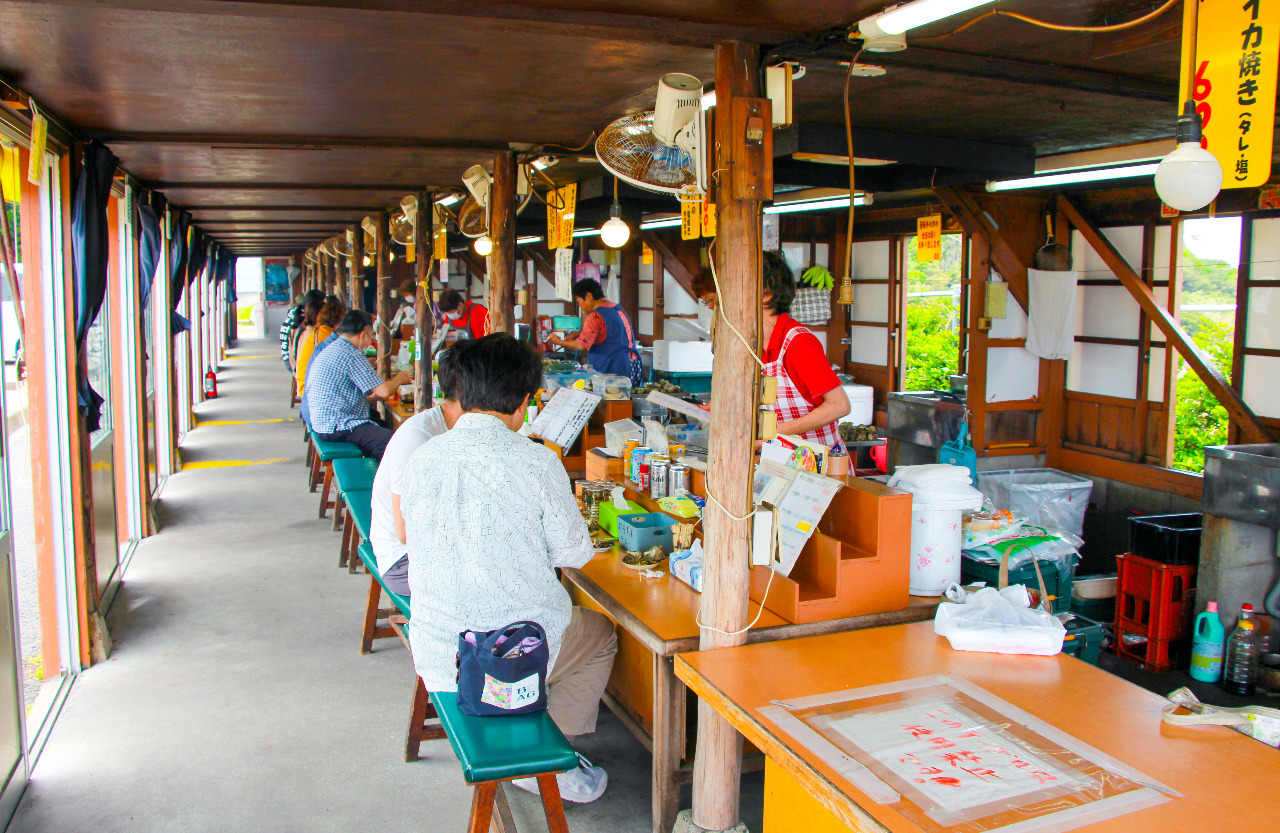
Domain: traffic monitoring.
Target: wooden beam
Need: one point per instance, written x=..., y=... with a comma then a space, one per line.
x=253, y=185
x=670, y=262
x=907, y=148
x=1165, y=28
x=1250, y=427
x=502, y=232
x=727, y=571
x=965, y=208
x=381, y=238
x=274, y=142
x=629, y=270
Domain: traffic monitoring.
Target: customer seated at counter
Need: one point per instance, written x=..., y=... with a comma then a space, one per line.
x=387, y=533
x=489, y=515
x=341, y=384
x=810, y=398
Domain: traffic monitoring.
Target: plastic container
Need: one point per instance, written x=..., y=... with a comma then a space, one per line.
x=1084, y=637
x=1208, y=645
x=1099, y=610
x=1240, y=665
x=555, y=381
x=566, y=322
x=1094, y=587
x=619, y=431
x=682, y=356
x=936, y=511
x=688, y=382
x=1049, y=498
x=1154, y=602
x=644, y=531
x=611, y=386
x=1058, y=577
x=642, y=409
x=1169, y=539
x=608, y=514
x=861, y=404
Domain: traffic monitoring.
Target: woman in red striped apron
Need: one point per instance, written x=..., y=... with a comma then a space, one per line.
x=810, y=398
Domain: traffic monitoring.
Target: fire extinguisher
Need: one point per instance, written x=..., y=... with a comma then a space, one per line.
x=210, y=384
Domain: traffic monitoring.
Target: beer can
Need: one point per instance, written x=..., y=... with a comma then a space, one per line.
x=659, y=468
x=680, y=479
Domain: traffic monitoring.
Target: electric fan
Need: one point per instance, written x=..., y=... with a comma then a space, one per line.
x=403, y=224
x=473, y=214
x=662, y=150
x=370, y=227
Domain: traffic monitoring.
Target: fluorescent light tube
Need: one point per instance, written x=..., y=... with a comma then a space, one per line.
x=920, y=13
x=586, y=232
x=665, y=223
x=1094, y=175
x=449, y=200
x=520, y=241
x=815, y=205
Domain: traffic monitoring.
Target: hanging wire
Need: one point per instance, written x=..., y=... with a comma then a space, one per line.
x=1057, y=27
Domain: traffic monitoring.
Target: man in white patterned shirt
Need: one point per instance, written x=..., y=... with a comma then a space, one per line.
x=489, y=515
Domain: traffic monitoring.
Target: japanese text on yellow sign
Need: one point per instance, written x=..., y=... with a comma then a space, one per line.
x=929, y=238
x=646, y=254
x=39, y=135
x=440, y=244
x=708, y=218
x=10, y=181
x=561, y=205
x=690, y=219
x=1235, y=89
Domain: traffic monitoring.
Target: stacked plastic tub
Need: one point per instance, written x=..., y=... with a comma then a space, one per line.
x=941, y=494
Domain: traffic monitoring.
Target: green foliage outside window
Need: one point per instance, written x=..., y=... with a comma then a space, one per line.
x=933, y=345
x=1200, y=418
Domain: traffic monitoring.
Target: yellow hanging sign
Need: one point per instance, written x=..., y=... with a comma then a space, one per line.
x=646, y=254
x=708, y=218
x=39, y=136
x=569, y=197
x=1235, y=90
x=9, y=176
x=411, y=253
x=690, y=219
x=440, y=244
x=929, y=238
x=553, y=219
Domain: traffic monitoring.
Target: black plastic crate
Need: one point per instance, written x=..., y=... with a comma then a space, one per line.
x=1169, y=539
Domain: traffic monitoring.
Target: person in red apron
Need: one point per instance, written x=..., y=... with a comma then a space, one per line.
x=810, y=398
x=470, y=319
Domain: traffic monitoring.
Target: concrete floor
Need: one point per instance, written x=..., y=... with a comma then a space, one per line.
x=236, y=697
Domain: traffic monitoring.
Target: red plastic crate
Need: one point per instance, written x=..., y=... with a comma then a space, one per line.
x=1154, y=600
x=1158, y=655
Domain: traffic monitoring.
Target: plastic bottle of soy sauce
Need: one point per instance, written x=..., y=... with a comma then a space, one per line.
x=1240, y=670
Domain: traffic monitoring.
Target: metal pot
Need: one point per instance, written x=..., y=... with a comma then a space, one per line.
x=1269, y=672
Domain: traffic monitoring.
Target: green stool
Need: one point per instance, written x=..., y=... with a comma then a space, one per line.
x=496, y=749
x=373, y=611
x=322, y=465
x=356, y=523
x=351, y=474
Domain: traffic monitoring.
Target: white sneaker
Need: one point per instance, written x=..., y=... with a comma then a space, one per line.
x=581, y=786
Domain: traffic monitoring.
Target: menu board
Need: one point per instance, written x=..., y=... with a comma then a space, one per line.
x=563, y=418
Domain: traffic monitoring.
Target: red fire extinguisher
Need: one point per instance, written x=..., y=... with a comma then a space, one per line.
x=210, y=384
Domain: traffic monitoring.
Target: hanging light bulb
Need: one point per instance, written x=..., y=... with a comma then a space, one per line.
x=483, y=246
x=367, y=261
x=1191, y=177
x=615, y=232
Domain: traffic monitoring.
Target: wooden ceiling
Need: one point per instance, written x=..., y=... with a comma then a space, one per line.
x=277, y=122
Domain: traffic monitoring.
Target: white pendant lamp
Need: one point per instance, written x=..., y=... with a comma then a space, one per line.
x=615, y=232
x=483, y=246
x=1190, y=177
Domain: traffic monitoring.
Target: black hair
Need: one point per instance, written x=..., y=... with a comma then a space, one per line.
x=704, y=283
x=778, y=280
x=496, y=373
x=447, y=369
x=312, y=303
x=312, y=297
x=355, y=322
x=588, y=286
x=450, y=300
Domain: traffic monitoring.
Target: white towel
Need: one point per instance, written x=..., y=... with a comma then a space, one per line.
x=1051, y=321
x=930, y=473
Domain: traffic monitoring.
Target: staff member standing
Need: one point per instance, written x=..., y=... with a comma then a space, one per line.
x=606, y=335
x=810, y=398
x=470, y=319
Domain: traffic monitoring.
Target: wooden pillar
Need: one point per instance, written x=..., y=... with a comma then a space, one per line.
x=727, y=570
x=502, y=231
x=356, y=287
x=629, y=269
x=384, y=295
x=422, y=235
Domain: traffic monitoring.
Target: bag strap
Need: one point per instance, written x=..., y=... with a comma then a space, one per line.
x=1004, y=574
x=514, y=632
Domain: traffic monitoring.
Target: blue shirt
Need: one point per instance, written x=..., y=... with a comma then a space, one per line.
x=342, y=379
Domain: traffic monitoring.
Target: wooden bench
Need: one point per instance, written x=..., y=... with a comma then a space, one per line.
x=294, y=399
x=493, y=750
x=351, y=474
x=356, y=523
x=326, y=451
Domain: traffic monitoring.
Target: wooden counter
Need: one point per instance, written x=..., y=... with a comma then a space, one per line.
x=656, y=619
x=397, y=412
x=1228, y=780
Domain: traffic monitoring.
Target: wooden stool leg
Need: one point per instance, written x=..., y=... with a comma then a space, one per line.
x=371, y=615
x=324, y=492
x=419, y=714
x=348, y=548
x=338, y=503
x=293, y=392
x=482, y=807
x=552, y=806
x=315, y=472
x=503, y=821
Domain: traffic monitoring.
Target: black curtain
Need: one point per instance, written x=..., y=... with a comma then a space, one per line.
x=149, y=241
x=199, y=255
x=90, y=250
x=178, y=268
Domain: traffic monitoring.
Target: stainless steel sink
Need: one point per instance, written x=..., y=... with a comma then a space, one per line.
x=1242, y=483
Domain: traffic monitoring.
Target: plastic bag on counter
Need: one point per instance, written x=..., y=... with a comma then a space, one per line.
x=989, y=525
x=1000, y=622
x=1027, y=543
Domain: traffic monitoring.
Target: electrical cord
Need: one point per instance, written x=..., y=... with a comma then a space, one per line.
x=711, y=261
x=1057, y=27
x=767, y=587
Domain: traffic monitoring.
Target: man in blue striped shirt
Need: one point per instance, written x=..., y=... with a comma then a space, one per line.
x=340, y=383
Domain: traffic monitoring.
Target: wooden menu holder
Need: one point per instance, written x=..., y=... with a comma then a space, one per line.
x=592, y=436
x=857, y=562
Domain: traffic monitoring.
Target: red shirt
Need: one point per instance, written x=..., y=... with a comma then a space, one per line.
x=471, y=316
x=594, y=330
x=806, y=361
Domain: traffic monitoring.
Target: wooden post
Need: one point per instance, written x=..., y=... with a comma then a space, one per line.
x=629, y=269
x=356, y=286
x=502, y=231
x=422, y=238
x=727, y=571
x=384, y=295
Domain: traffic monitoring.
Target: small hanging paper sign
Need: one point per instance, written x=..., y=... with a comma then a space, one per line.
x=39, y=136
x=770, y=233
x=708, y=218
x=646, y=254
x=929, y=238
x=569, y=194
x=1269, y=198
x=444, y=270
x=440, y=243
x=1168, y=211
x=690, y=219
x=564, y=274
x=411, y=253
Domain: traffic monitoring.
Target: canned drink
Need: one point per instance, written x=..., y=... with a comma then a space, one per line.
x=633, y=463
x=675, y=450
x=680, y=479
x=642, y=479
x=659, y=472
x=627, y=446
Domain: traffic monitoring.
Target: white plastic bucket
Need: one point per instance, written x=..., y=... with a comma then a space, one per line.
x=935, y=536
